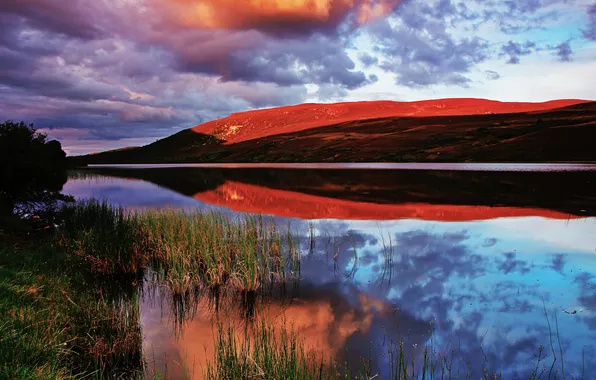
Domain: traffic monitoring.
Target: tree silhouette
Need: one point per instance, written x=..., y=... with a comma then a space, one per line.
x=32, y=169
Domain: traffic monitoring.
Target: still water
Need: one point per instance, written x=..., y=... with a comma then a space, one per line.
x=484, y=265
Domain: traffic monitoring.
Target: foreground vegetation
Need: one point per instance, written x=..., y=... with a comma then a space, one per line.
x=69, y=298
x=187, y=250
x=55, y=324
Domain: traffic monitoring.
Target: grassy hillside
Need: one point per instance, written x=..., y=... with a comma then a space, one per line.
x=564, y=134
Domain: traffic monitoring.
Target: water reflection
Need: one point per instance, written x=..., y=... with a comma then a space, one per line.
x=353, y=194
x=479, y=289
x=484, y=287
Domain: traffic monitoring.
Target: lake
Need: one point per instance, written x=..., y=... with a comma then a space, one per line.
x=487, y=266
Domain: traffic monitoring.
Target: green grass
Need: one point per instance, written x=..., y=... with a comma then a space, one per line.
x=32, y=336
x=55, y=325
x=105, y=237
x=69, y=305
x=260, y=351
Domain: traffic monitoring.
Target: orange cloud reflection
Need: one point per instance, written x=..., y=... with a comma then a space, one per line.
x=324, y=325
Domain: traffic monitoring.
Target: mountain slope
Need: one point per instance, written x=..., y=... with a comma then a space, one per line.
x=440, y=130
x=261, y=123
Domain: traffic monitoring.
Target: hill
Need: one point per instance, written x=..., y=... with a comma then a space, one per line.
x=455, y=130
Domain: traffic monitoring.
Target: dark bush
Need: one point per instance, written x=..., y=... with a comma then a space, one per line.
x=32, y=169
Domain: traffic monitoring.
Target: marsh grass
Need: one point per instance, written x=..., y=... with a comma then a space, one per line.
x=31, y=341
x=263, y=352
x=213, y=249
x=186, y=250
x=104, y=237
x=262, y=348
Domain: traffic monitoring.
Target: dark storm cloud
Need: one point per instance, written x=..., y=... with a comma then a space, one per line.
x=317, y=59
x=66, y=17
x=74, y=64
x=515, y=50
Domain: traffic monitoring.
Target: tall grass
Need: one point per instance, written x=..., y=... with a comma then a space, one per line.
x=59, y=318
x=105, y=237
x=31, y=345
x=263, y=352
x=213, y=249
x=109, y=333
x=188, y=250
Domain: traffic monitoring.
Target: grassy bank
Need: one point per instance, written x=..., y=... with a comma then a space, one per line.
x=55, y=325
x=69, y=300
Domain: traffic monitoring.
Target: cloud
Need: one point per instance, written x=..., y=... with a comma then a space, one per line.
x=511, y=264
x=418, y=47
x=367, y=59
x=559, y=261
x=253, y=57
x=84, y=19
x=132, y=68
x=278, y=17
x=518, y=16
x=514, y=50
x=590, y=31
x=564, y=51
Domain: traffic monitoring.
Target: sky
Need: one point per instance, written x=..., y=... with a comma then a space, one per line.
x=105, y=74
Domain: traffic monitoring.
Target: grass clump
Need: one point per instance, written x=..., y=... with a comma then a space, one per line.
x=187, y=250
x=214, y=249
x=105, y=237
x=263, y=353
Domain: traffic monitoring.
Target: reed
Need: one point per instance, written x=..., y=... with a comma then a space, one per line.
x=104, y=237
x=259, y=350
x=187, y=250
x=263, y=352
